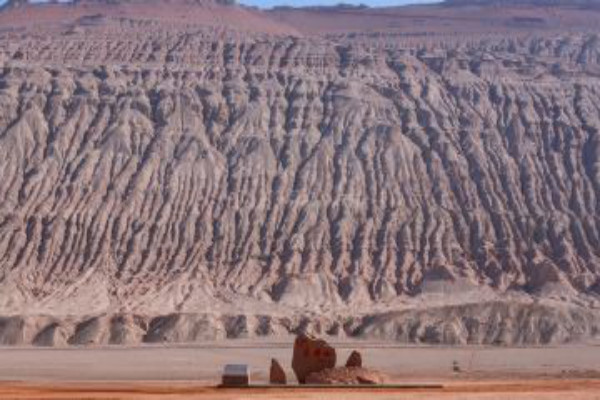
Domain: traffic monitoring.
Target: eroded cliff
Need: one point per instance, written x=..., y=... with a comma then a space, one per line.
x=178, y=184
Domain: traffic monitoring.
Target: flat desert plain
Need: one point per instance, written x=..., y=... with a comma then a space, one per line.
x=155, y=372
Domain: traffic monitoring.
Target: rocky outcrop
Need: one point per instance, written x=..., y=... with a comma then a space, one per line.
x=167, y=183
x=347, y=376
x=311, y=355
x=488, y=324
x=354, y=360
x=276, y=373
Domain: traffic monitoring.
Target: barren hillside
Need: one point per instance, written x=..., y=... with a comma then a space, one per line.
x=187, y=170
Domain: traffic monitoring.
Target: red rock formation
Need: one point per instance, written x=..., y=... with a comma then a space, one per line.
x=311, y=355
x=277, y=374
x=345, y=375
x=355, y=360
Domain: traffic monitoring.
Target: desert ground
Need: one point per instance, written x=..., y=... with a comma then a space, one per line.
x=186, y=183
x=563, y=372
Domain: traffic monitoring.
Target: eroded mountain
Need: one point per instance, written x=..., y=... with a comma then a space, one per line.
x=174, y=176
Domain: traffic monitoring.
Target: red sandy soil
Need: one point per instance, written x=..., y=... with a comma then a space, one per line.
x=542, y=389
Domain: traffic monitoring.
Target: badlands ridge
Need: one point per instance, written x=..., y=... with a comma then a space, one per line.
x=177, y=171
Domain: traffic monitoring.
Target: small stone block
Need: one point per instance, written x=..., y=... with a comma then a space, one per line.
x=236, y=375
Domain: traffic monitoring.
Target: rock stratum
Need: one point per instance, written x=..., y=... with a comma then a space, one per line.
x=192, y=170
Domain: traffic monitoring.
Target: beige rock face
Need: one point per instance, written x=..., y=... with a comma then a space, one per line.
x=311, y=355
x=165, y=181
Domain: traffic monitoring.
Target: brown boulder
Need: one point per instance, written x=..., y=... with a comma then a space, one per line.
x=277, y=374
x=347, y=376
x=355, y=360
x=311, y=355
